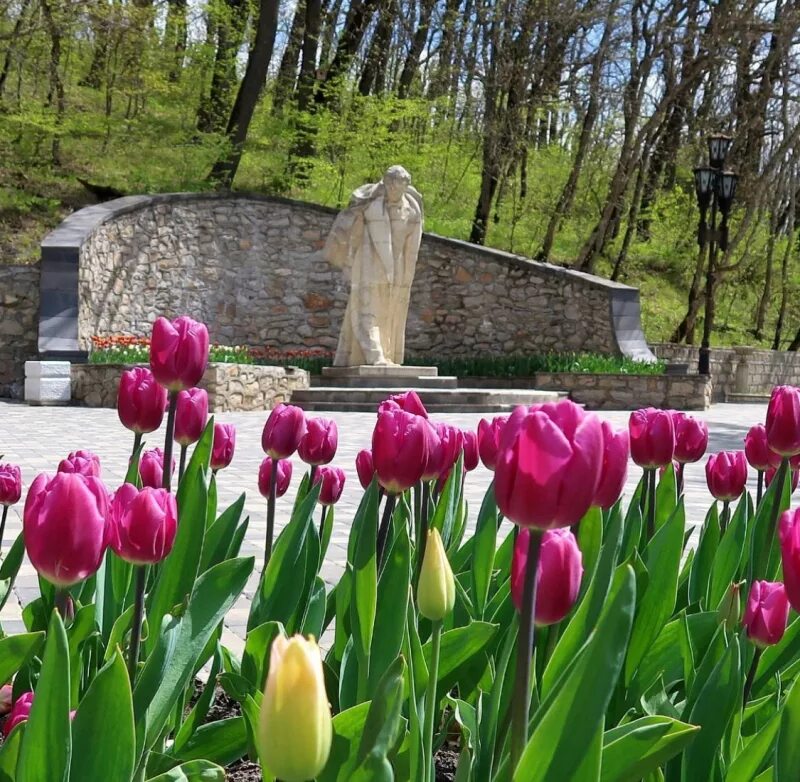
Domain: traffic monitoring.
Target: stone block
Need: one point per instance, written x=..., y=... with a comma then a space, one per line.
x=47, y=382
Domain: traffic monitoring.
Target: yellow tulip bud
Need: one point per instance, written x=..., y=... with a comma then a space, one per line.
x=436, y=593
x=295, y=729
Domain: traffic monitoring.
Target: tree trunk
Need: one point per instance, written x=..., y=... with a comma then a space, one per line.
x=11, y=51
x=224, y=170
x=176, y=36
x=287, y=72
x=685, y=329
x=330, y=18
x=373, y=74
x=763, y=302
x=55, y=93
x=411, y=64
x=633, y=215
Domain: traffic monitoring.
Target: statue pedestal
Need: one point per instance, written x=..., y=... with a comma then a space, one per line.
x=392, y=376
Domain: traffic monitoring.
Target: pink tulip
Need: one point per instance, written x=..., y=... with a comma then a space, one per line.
x=548, y=465
x=283, y=431
x=771, y=472
x=282, y=480
x=65, y=526
x=726, y=474
x=151, y=468
x=223, y=446
x=434, y=450
x=399, y=449
x=766, y=614
x=364, y=467
x=191, y=415
x=332, y=479
x=20, y=712
x=760, y=456
x=81, y=462
x=408, y=401
x=652, y=437
x=558, y=577
x=691, y=438
x=783, y=420
x=143, y=524
x=10, y=484
x=140, y=400
x=789, y=535
x=489, y=439
x=178, y=352
x=470, y=444
x=320, y=441
x=451, y=443
x=615, y=466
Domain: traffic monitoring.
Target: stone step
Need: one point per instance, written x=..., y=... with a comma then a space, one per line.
x=753, y=399
x=449, y=400
x=402, y=383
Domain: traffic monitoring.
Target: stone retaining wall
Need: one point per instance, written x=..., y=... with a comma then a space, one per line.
x=613, y=391
x=230, y=386
x=19, y=325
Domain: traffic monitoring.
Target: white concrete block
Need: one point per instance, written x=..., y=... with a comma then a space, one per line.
x=47, y=382
x=59, y=369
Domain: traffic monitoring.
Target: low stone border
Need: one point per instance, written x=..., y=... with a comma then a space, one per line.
x=230, y=387
x=612, y=391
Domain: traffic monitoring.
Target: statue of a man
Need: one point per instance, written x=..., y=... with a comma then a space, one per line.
x=376, y=241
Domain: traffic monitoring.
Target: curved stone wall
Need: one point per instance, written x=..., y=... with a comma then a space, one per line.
x=250, y=267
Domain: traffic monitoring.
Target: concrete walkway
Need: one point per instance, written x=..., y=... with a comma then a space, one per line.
x=38, y=438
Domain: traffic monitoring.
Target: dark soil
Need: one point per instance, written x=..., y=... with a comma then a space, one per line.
x=446, y=764
x=244, y=771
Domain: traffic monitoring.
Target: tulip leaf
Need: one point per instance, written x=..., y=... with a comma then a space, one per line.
x=638, y=748
x=255, y=660
x=193, y=771
x=444, y=515
x=756, y=753
x=222, y=741
x=383, y=718
x=718, y=699
x=314, y=618
x=104, y=720
x=326, y=530
x=348, y=727
x=662, y=558
x=9, y=753
x=590, y=541
x=728, y=556
x=666, y=496
x=484, y=544
x=776, y=658
x=568, y=719
x=787, y=752
x=459, y=649
x=700, y=574
x=47, y=744
x=219, y=534
x=15, y=651
x=764, y=537
x=307, y=579
x=585, y=617
x=181, y=643
x=9, y=567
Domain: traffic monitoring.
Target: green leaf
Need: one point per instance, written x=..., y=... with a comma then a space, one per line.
x=728, y=557
x=200, y=709
x=9, y=753
x=567, y=720
x=484, y=545
x=47, y=744
x=219, y=534
x=638, y=748
x=255, y=660
x=103, y=736
x=776, y=658
x=194, y=771
x=383, y=718
x=756, y=753
x=181, y=642
x=9, y=567
x=222, y=741
x=700, y=574
x=348, y=727
x=15, y=651
x=459, y=648
x=787, y=752
x=663, y=559
x=764, y=537
x=590, y=540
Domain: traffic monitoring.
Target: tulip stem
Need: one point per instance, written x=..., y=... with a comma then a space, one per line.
x=679, y=478
x=182, y=465
x=760, y=489
x=136, y=627
x=61, y=600
x=430, y=699
x=312, y=473
x=726, y=512
x=3, y=527
x=137, y=443
x=521, y=703
x=651, y=504
x=422, y=535
x=273, y=485
x=751, y=676
x=383, y=530
x=168, y=440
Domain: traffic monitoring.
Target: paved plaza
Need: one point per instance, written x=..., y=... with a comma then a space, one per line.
x=37, y=438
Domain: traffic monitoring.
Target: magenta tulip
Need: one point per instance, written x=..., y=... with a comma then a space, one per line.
x=178, y=352
x=615, y=466
x=691, y=438
x=81, y=462
x=726, y=474
x=151, y=468
x=759, y=455
x=319, y=443
x=558, y=578
x=283, y=431
x=783, y=420
x=489, y=439
x=408, y=401
x=434, y=450
x=470, y=444
x=10, y=484
x=364, y=467
x=223, y=446
x=548, y=466
x=450, y=445
x=140, y=401
x=767, y=613
x=789, y=535
x=652, y=437
x=65, y=526
x=191, y=415
x=19, y=712
x=143, y=524
x=399, y=449
x=283, y=479
x=332, y=479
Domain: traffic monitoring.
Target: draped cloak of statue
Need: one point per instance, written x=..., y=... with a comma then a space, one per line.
x=375, y=241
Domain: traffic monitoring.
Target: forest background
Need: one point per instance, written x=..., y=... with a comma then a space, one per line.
x=563, y=130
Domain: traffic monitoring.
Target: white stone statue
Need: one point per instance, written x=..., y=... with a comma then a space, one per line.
x=375, y=241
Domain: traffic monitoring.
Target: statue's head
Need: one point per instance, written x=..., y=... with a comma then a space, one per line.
x=396, y=181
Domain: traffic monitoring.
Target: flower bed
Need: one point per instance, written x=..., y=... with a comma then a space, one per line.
x=595, y=642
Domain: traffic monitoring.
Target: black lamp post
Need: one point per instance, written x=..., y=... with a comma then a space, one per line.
x=715, y=188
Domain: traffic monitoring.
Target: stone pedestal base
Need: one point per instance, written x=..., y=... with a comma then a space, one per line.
x=371, y=370
x=47, y=382
x=401, y=377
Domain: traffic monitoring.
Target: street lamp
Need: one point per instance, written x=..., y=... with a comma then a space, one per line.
x=715, y=189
